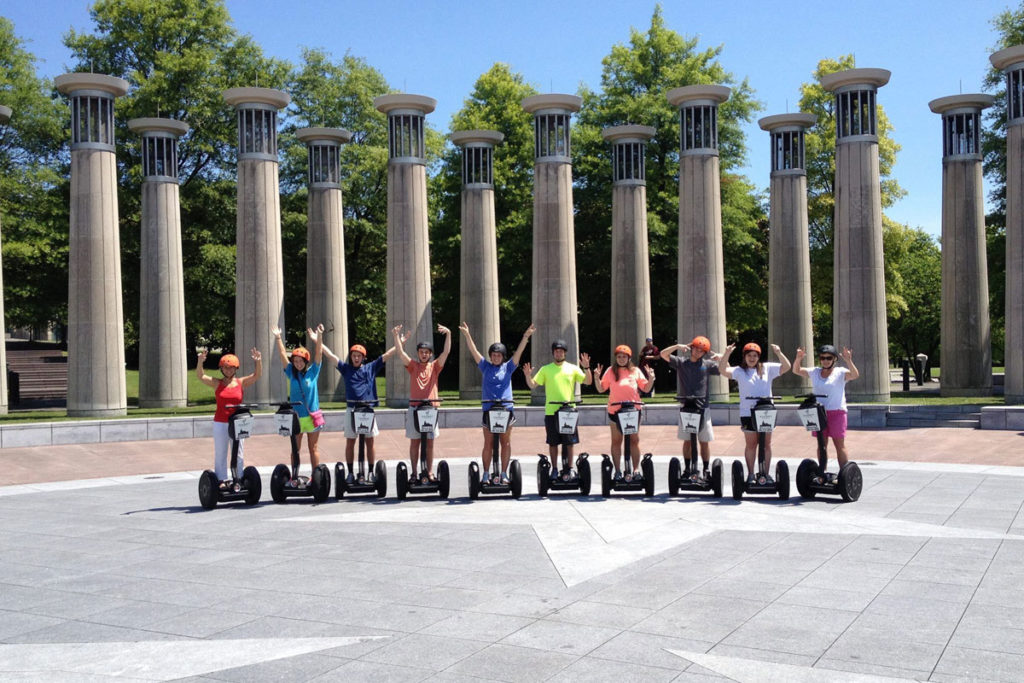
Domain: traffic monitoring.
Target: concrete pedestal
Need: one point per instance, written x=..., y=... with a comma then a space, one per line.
x=5, y=116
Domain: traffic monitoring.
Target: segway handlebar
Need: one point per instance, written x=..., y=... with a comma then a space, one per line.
x=424, y=401
x=761, y=398
x=243, y=406
x=811, y=396
x=626, y=403
x=363, y=404
x=565, y=404
x=497, y=402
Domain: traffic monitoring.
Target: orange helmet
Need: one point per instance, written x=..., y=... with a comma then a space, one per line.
x=701, y=344
x=301, y=352
x=358, y=347
x=752, y=347
x=230, y=360
x=622, y=348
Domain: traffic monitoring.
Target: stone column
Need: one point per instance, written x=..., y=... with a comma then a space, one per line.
x=408, y=298
x=5, y=116
x=163, y=366
x=701, y=268
x=966, y=335
x=554, y=255
x=326, y=299
x=478, y=279
x=858, y=308
x=631, y=270
x=789, y=258
x=1011, y=62
x=96, y=380
x=259, y=273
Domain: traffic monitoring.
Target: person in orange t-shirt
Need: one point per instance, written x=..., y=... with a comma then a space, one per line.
x=423, y=374
x=624, y=381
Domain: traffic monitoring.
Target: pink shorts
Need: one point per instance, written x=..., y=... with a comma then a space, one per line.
x=836, y=427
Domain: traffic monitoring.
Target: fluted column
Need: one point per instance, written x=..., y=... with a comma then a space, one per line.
x=5, y=116
x=701, y=288
x=326, y=300
x=789, y=261
x=259, y=272
x=858, y=309
x=1011, y=62
x=96, y=379
x=631, y=270
x=162, y=362
x=408, y=285
x=478, y=276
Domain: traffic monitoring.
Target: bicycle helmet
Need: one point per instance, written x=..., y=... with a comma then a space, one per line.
x=425, y=345
x=622, y=348
x=301, y=352
x=751, y=346
x=702, y=344
x=559, y=344
x=498, y=347
x=230, y=360
x=358, y=347
x=828, y=349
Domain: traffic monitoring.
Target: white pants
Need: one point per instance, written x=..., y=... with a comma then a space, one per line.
x=221, y=444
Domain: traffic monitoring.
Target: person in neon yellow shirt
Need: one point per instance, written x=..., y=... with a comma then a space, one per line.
x=559, y=380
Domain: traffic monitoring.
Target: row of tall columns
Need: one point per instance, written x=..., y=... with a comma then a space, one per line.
x=5, y=116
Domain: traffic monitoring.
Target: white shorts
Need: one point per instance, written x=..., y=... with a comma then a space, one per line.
x=706, y=433
x=410, y=426
x=350, y=428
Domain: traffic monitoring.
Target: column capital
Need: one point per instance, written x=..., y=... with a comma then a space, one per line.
x=629, y=133
x=388, y=103
x=852, y=78
x=277, y=99
x=5, y=114
x=706, y=94
x=973, y=102
x=485, y=137
x=1004, y=59
x=537, y=104
x=337, y=136
x=795, y=120
x=158, y=125
x=70, y=83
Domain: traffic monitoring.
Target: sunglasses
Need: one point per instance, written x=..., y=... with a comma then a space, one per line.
x=832, y=358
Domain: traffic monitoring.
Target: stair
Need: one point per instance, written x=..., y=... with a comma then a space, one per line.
x=957, y=417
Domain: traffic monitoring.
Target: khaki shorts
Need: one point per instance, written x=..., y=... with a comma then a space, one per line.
x=350, y=428
x=410, y=426
x=706, y=433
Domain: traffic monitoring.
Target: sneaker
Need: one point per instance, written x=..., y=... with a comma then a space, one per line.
x=554, y=474
x=706, y=476
x=618, y=476
x=750, y=479
x=768, y=480
x=485, y=479
x=371, y=478
x=832, y=478
x=351, y=479
x=638, y=476
x=504, y=479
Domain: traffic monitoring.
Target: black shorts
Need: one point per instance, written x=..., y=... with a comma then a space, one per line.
x=511, y=420
x=747, y=424
x=613, y=418
x=554, y=437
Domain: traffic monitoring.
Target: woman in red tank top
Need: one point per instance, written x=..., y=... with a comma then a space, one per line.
x=228, y=390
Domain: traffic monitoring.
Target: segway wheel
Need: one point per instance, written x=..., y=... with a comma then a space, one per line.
x=401, y=481
x=739, y=486
x=321, y=484
x=647, y=468
x=208, y=489
x=444, y=479
x=807, y=471
x=515, y=478
x=782, y=479
x=673, y=477
x=606, y=477
x=583, y=466
x=543, y=478
x=716, y=478
x=380, y=478
x=253, y=484
x=850, y=482
x=278, y=479
x=473, y=474
x=340, y=485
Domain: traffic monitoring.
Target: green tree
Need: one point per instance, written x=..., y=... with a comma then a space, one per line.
x=33, y=191
x=821, y=171
x=915, y=308
x=634, y=81
x=178, y=58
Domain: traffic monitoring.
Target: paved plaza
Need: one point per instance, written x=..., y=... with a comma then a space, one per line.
x=109, y=569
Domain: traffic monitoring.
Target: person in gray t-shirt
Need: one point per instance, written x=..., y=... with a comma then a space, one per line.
x=692, y=377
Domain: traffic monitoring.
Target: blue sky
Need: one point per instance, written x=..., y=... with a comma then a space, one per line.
x=934, y=48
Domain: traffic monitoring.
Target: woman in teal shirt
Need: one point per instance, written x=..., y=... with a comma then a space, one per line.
x=302, y=372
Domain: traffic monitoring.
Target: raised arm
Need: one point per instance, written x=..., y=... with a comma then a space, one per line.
x=528, y=371
x=400, y=346
x=786, y=365
x=645, y=378
x=332, y=357
x=798, y=358
x=447, y=344
x=317, y=336
x=723, y=361
x=201, y=373
x=599, y=383
x=667, y=351
x=473, y=351
x=281, y=352
x=585, y=365
x=257, y=373
x=522, y=344
x=400, y=342
x=854, y=373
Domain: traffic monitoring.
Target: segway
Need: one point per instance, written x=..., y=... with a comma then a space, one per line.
x=425, y=416
x=499, y=415
x=813, y=477
x=286, y=483
x=247, y=488
x=362, y=425
x=629, y=422
x=692, y=478
x=568, y=480
x=763, y=416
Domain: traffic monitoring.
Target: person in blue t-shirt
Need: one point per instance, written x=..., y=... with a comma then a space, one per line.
x=497, y=387
x=360, y=386
x=302, y=371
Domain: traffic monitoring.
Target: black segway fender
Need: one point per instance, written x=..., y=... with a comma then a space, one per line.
x=782, y=479
x=340, y=484
x=647, y=468
x=380, y=478
x=278, y=479
x=515, y=479
x=473, y=475
x=543, y=476
x=253, y=485
x=739, y=485
x=805, y=473
x=401, y=481
x=716, y=478
x=606, y=476
x=444, y=479
x=850, y=482
x=674, y=472
x=583, y=467
x=208, y=489
x=321, y=483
